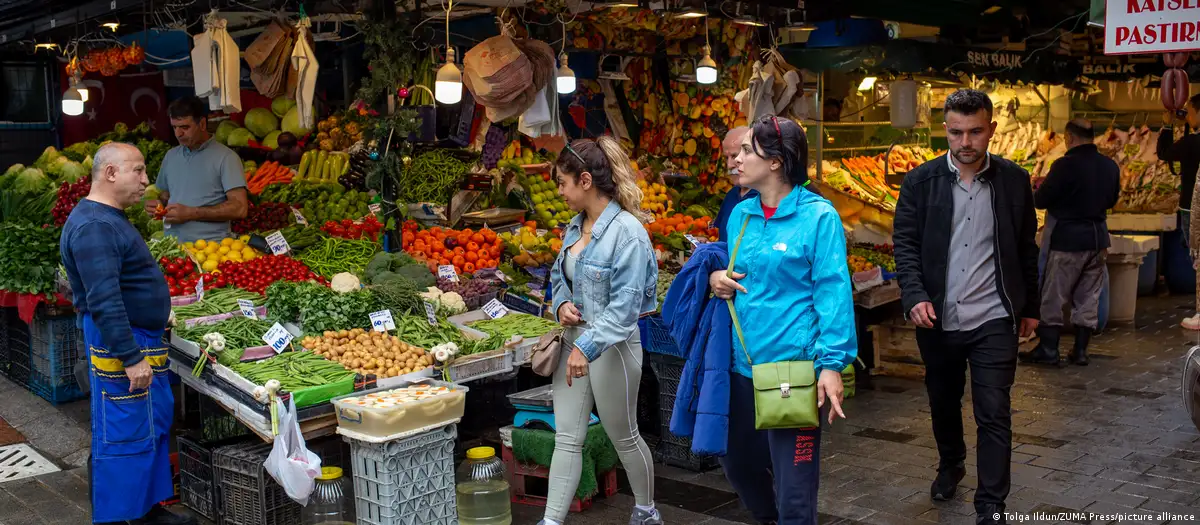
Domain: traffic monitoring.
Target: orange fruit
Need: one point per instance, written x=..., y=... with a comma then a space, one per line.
x=468, y=268
x=471, y=257
x=458, y=260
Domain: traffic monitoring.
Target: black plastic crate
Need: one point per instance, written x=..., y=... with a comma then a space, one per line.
x=19, y=360
x=197, y=477
x=5, y=314
x=56, y=345
x=674, y=450
x=247, y=494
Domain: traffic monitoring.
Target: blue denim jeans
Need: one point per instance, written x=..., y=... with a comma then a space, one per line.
x=775, y=472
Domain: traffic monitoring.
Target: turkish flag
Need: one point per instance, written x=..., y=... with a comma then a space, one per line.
x=130, y=98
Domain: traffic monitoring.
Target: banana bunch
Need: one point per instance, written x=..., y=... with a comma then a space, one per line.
x=323, y=166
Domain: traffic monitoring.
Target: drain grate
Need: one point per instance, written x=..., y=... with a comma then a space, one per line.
x=21, y=461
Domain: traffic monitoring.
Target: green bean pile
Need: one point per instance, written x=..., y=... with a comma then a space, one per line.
x=432, y=177
x=218, y=301
x=294, y=371
x=240, y=333
x=416, y=331
x=337, y=255
x=524, y=325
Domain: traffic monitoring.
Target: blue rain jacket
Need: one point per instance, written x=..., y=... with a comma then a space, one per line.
x=799, y=303
x=702, y=328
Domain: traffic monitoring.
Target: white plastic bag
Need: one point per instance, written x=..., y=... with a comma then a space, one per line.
x=290, y=462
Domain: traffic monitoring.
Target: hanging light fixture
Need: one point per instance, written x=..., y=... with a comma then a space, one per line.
x=72, y=103
x=801, y=25
x=78, y=86
x=45, y=45
x=706, y=69
x=616, y=3
x=111, y=26
x=448, y=87
x=565, y=81
x=747, y=19
x=690, y=9
x=867, y=83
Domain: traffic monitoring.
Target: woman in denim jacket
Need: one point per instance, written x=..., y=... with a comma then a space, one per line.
x=793, y=298
x=605, y=277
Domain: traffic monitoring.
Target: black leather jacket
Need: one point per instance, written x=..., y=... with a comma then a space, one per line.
x=922, y=229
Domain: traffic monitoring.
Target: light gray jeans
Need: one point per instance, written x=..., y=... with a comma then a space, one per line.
x=611, y=385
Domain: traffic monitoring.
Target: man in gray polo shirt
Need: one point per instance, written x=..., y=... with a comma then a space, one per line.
x=201, y=182
x=967, y=264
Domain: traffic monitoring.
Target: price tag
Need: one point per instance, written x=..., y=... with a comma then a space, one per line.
x=247, y=307
x=494, y=309
x=277, y=338
x=200, y=290
x=650, y=220
x=299, y=218
x=278, y=244
x=431, y=313
x=541, y=232
x=382, y=321
x=447, y=271
x=375, y=208
x=695, y=242
x=500, y=275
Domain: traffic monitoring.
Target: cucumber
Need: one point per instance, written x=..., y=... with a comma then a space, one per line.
x=305, y=163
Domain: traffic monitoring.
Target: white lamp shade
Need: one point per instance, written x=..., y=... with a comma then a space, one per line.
x=448, y=87
x=83, y=93
x=565, y=80
x=72, y=103
x=706, y=74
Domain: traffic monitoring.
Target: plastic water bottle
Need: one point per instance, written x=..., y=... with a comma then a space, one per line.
x=482, y=489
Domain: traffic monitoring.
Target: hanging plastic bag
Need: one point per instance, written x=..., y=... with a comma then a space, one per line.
x=290, y=462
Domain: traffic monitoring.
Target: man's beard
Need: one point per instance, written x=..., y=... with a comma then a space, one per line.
x=958, y=155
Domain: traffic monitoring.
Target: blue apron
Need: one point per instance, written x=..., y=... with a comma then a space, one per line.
x=130, y=462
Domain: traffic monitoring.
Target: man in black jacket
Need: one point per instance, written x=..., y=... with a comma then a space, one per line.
x=1185, y=151
x=1081, y=187
x=967, y=262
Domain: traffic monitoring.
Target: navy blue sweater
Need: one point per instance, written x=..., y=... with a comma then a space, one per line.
x=113, y=277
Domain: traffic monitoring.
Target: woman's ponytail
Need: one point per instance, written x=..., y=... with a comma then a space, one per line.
x=627, y=193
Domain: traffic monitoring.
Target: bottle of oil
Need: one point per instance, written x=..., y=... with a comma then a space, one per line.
x=482, y=490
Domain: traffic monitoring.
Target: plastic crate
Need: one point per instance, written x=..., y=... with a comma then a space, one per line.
x=56, y=345
x=656, y=338
x=247, y=494
x=19, y=367
x=6, y=314
x=197, y=477
x=407, y=481
x=479, y=366
x=674, y=450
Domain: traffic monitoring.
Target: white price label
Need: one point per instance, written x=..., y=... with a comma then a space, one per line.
x=299, y=218
x=200, y=289
x=375, y=208
x=277, y=338
x=695, y=242
x=494, y=309
x=541, y=232
x=650, y=220
x=431, y=313
x=278, y=244
x=382, y=321
x=447, y=271
x=500, y=275
x=247, y=307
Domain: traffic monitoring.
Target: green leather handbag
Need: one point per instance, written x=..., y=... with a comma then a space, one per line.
x=785, y=392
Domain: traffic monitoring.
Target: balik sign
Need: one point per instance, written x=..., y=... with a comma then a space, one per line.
x=1005, y=60
x=1151, y=26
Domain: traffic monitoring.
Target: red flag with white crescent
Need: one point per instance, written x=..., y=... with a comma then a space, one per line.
x=131, y=98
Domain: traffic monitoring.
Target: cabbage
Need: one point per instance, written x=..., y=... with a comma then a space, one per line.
x=240, y=137
x=291, y=124
x=14, y=169
x=31, y=181
x=281, y=105
x=87, y=164
x=71, y=172
x=272, y=139
x=224, y=129
x=84, y=149
x=261, y=121
x=152, y=193
x=49, y=155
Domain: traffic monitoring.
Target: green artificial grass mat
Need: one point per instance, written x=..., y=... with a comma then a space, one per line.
x=537, y=447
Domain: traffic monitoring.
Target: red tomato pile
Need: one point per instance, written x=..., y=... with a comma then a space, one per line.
x=369, y=226
x=256, y=275
x=181, y=275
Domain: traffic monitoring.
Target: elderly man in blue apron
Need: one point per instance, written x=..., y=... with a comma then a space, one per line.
x=124, y=302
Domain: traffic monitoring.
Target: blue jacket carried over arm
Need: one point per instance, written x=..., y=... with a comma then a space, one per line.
x=703, y=329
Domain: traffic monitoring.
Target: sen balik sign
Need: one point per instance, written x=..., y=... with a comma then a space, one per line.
x=1151, y=26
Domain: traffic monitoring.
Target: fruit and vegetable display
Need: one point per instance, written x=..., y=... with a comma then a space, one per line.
x=387, y=267
x=432, y=177
x=529, y=249
x=238, y=332
x=549, y=209
x=446, y=303
x=216, y=302
x=337, y=133
x=473, y=292
x=467, y=250
x=368, y=352
x=69, y=194
x=416, y=330
x=665, y=279
x=367, y=228
x=333, y=206
x=29, y=258
x=515, y=323
x=181, y=273
x=323, y=166
x=257, y=274
x=294, y=371
x=865, y=257
x=210, y=254
x=264, y=217
x=268, y=173
x=335, y=255
x=655, y=199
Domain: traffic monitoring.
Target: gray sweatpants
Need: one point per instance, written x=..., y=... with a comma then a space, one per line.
x=1076, y=277
x=612, y=386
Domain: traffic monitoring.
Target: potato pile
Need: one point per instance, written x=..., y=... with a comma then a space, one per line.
x=369, y=352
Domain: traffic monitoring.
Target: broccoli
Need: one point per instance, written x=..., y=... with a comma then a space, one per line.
x=384, y=262
x=421, y=277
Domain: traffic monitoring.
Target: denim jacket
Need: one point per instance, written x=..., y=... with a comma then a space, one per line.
x=616, y=279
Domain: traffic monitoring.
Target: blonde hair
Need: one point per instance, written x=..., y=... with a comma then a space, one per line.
x=628, y=195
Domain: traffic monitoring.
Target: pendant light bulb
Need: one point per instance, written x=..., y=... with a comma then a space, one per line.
x=448, y=87
x=706, y=70
x=79, y=87
x=565, y=81
x=72, y=103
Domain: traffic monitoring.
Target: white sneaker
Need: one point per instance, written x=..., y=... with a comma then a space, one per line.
x=1191, y=323
x=641, y=517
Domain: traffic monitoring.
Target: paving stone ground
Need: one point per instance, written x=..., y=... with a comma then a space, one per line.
x=1111, y=438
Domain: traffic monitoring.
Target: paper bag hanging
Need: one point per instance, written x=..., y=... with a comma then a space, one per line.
x=265, y=44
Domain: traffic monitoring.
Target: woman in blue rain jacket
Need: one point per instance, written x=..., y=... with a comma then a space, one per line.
x=792, y=295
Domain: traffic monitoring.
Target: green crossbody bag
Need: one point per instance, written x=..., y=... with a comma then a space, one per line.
x=785, y=392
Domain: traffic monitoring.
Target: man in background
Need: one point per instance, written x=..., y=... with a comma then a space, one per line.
x=1185, y=151
x=125, y=306
x=731, y=146
x=200, y=183
x=1077, y=194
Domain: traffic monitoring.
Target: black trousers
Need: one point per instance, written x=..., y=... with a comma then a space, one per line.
x=991, y=351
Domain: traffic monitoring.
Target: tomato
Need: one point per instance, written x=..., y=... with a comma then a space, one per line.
x=173, y=268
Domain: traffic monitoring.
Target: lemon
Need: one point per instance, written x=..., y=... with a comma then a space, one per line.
x=226, y=241
x=236, y=246
x=200, y=258
x=209, y=266
x=244, y=238
x=201, y=243
x=248, y=253
x=211, y=248
x=223, y=249
x=234, y=256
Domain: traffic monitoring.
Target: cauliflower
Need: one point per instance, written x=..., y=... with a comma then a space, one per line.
x=432, y=294
x=345, y=283
x=453, y=302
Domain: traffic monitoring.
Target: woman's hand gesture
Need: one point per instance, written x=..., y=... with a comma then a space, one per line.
x=829, y=386
x=723, y=286
x=568, y=315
